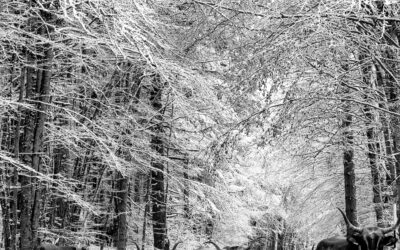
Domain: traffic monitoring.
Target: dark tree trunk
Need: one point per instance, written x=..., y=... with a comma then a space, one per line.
x=391, y=176
x=387, y=201
x=121, y=207
x=33, y=147
x=368, y=74
x=348, y=161
x=373, y=152
x=159, y=208
x=349, y=174
x=5, y=142
x=6, y=225
x=26, y=188
x=146, y=209
x=58, y=204
x=43, y=88
x=14, y=201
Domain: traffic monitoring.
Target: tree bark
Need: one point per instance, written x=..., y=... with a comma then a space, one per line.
x=33, y=147
x=373, y=152
x=159, y=208
x=26, y=188
x=121, y=206
x=349, y=173
x=5, y=192
x=14, y=180
x=391, y=92
x=146, y=209
x=348, y=160
x=43, y=88
x=369, y=72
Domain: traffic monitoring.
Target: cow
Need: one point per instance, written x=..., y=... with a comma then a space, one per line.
x=336, y=243
x=360, y=238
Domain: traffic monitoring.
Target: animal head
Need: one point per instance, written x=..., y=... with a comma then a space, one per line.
x=370, y=238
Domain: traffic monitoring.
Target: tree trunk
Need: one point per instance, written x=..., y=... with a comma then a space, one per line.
x=369, y=74
x=159, y=208
x=348, y=162
x=384, y=83
x=43, y=88
x=391, y=176
x=14, y=180
x=27, y=149
x=373, y=152
x=5, y=192
x=33, y=147
x=349, y=174
x=146, y=209
x=276, y=240
x=9, y=138
x=395, y=127
x=391, y=92
x=121, y=206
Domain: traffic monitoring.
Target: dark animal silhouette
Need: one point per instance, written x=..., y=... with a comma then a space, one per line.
x=336, y=243
x=360, y=238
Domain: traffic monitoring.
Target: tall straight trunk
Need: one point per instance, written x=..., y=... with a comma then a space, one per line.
x=373, y=152
x=391, y=93
x=395, y=128
x=10, y=140
x=33, y=147
x=5, y=138
x=349, y=173
x=14, y=201
x=369, y=76
x=27, y=149
x=146, y=209
x=121, y=207
x=391, y=173
x=43, y=88
x=392, y=96
x=396, y=152
x=385, y=119
x=125, y=82
x=276, y=239
x=159, y=208
x=348, y=159
x=58, y=204
x=392, y=126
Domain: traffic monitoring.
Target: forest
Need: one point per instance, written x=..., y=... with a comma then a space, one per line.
x=197, y=124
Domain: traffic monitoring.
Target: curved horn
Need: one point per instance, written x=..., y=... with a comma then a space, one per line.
x=392, y=228
x=137, y=246
x=216, y=246
x=348, y=223
x=176, y=244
